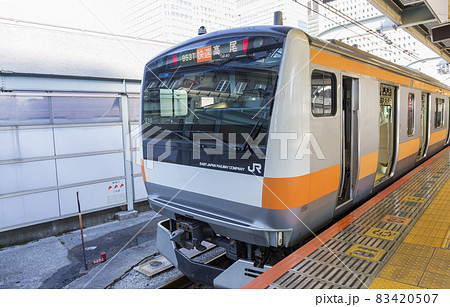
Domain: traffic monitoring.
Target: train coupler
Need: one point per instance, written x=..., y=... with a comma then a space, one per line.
x=190, y=234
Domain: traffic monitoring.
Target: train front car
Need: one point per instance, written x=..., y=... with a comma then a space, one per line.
x=207, y=105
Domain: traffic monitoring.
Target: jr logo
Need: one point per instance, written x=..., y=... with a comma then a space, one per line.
x=255, y=167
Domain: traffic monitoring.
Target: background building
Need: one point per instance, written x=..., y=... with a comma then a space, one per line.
x=175, y=20
x=260, y=12
x=178, y=20
x=358, y=23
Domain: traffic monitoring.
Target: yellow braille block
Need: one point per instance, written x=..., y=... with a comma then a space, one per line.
x=435, y=281
x=440, y=262
x=409, y=260
x=381, y=283
x=401, y=274
x=413, y=249
x=419, y=231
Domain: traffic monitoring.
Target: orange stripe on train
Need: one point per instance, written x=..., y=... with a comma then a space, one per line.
x=294, y=192
x=408, y=148
x=342, y=63
x=438, y=136
x=338, y=62
x=368, y=164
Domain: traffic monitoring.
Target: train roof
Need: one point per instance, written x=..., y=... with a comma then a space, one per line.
x=330, y=45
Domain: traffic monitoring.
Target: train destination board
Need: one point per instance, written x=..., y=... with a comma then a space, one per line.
x=214, y=52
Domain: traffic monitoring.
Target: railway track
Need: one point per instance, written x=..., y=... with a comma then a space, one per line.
x=179, y=282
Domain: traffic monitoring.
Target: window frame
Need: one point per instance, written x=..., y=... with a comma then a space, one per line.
x=333, y=93
x=413, y=130
x=442, y=102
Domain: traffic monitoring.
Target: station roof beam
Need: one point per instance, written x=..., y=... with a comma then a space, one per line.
x=421, y=18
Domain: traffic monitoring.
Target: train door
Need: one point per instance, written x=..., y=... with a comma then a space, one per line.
x=387, y=122
x=350, y=155
x=424, y=125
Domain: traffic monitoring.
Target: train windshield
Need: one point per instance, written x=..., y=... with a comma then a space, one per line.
x=226, y=87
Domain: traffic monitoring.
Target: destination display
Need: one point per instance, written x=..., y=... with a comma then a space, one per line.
x=214, y=52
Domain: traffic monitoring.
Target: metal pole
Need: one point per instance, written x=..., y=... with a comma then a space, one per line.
x=81, y=227
x=128, y=151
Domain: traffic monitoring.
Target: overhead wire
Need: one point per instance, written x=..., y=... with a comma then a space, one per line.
x=364, y=27
x=357, y=24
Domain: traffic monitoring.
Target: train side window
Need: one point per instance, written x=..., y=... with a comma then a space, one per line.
x=411, y=106
x=323, y=93
x=439, y=115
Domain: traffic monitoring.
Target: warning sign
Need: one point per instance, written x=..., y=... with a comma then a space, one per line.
x=396, y=219
x=116, y=191
x=365, y=252
x=382, y=233
x=414, y=199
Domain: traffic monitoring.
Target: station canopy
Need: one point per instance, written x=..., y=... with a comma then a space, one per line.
x=426, y=20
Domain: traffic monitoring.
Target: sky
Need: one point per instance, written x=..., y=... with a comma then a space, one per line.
x=84, y=14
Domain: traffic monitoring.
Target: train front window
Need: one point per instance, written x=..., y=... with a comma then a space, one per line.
x=226, y=87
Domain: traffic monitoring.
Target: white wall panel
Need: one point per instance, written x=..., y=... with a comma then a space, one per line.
x=139, y=188
x=137, y=169
x=88, y=139
x=27, y=176
x=7, y=149
x=26, y=143
x=28, y=208
x=94, y=196
x=97, y=167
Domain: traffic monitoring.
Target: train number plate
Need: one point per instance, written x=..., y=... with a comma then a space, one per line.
x=382, y=233
x=396, y=219
x=365, y=252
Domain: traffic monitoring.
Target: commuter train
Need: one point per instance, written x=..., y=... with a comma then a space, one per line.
x=255, y=138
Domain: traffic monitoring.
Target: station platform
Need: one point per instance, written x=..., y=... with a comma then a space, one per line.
x=399, y=239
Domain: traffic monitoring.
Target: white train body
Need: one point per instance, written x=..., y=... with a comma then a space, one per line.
x=339, y=125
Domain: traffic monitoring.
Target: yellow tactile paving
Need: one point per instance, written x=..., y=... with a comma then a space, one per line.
x=406, y=260
x=434, y=281
x=423, y=259
x=381, y=283
x=440, y=262
x=412, y=249
x=407, y=275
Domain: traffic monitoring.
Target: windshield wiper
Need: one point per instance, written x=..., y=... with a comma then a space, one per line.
x=255, y=127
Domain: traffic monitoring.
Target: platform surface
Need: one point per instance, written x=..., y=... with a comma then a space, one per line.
x=399, y=239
